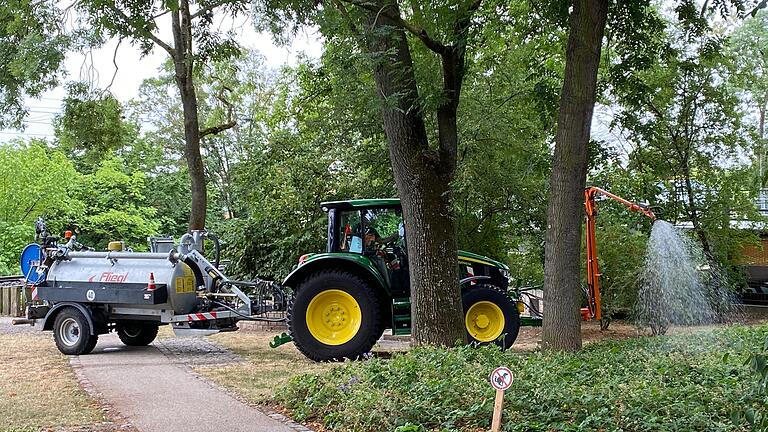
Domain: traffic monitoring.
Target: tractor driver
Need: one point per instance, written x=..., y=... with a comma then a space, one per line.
x=372, y=238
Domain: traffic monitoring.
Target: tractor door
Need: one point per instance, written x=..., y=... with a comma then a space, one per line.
x=378, y=234
x=384, y=245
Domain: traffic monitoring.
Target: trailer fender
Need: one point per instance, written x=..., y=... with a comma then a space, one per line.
x=51, y=316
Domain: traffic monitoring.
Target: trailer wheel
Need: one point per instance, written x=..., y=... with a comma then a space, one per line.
x=136, y=334
x=334, y=315
x=72, y=332
x=490, y=316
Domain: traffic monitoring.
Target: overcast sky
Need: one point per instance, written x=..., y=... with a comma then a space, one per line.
x=133, y=69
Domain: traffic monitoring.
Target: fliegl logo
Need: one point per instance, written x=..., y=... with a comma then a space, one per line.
x=109, y=277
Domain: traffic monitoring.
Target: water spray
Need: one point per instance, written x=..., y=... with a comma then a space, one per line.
x=592, y=311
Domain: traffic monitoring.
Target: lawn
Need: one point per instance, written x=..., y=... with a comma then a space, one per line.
x=694, y=381
x=38, y=388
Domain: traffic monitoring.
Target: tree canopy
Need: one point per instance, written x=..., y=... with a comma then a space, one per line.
x=680, y=124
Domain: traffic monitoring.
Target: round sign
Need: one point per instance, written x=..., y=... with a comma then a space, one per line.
x=90, y=295
x=501, y=378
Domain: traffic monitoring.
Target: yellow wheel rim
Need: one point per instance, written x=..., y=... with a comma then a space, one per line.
x=333, y=317
x=485, y=321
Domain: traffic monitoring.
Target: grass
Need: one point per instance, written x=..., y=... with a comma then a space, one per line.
x=38, y=388
x=265, y=370
x=687, y=382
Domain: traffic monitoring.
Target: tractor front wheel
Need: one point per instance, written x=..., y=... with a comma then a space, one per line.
x=334, y=315
x=490, y=316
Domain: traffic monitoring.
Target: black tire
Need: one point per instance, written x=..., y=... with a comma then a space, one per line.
x=91, y=344
x=72, y=332
x=492, y=294
x=136, y=334
x=369, y=331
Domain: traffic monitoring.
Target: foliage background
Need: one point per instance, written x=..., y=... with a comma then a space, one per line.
x=682, y=94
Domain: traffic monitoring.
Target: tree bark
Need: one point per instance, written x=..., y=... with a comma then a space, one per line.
x=562, y=290
x=423, y=177
x=693, y=214
x=184, y=66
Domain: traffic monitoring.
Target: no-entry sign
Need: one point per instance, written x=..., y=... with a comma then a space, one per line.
x=501, y=378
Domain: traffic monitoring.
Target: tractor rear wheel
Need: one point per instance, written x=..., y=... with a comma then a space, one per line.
x=136, y=334
x=490, y=316
x=334, y=315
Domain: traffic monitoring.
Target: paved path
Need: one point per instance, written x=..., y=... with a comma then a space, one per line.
x=156, y=391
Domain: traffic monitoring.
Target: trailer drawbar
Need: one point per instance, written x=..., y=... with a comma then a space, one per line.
x=80, y=294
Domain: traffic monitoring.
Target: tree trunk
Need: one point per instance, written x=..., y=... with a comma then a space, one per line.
x=562, y=290
x=693, y=215
x=423, y=178
x=763, y=107
x=183, y=66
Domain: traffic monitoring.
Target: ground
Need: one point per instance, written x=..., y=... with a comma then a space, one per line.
x=39, y=390
x=265, y=368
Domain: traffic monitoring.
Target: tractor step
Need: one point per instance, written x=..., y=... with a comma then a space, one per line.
x=401, y=316
x=530, y=322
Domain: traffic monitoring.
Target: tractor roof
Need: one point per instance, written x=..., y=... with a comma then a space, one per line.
x=361, y=203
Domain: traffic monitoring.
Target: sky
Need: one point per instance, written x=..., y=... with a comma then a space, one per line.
x=97, y=66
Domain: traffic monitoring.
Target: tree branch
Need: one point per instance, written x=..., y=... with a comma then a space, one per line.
x=114, y=62
x=410, y=27
x=218, y=128
x=142, y=31
x=231, y=122
x=208, y=8
x=347, y=19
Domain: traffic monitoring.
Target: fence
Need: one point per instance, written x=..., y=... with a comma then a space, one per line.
x=11, y=299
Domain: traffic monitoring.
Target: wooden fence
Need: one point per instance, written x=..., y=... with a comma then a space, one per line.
x=11, y=301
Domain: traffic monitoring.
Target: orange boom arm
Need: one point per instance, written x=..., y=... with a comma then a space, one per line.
x=593, y=273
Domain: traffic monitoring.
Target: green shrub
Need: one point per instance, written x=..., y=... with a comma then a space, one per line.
x=679, y=383
x=757, y=395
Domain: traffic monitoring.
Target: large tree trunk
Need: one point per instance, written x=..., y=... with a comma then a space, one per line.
x=183, y=66
x=562, y=291
x=423, y=178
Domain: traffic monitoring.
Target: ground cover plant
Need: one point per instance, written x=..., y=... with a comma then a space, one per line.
x=688, y=382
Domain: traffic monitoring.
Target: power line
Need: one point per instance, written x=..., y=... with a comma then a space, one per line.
x=27, y=133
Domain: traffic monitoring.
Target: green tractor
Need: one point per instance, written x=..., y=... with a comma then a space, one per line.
x=345, y=298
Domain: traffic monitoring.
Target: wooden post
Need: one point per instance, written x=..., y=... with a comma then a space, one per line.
x=498, y=405
x=5, y=301
x=14, y=312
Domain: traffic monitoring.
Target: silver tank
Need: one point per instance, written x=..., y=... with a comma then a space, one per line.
x=130, y=268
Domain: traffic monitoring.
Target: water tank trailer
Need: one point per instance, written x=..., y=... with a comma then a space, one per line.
x=81, y=294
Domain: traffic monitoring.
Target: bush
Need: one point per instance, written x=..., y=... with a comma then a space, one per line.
x=682, y=383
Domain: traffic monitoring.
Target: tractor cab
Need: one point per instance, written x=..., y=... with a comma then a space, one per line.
x=345, y=297
x=375, y=230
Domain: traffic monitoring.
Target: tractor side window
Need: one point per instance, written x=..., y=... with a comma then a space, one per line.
x=351, y=239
